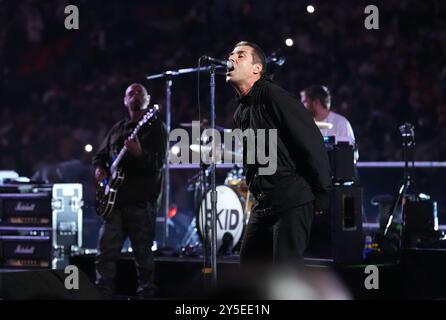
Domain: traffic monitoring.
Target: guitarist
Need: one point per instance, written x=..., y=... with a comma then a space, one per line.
x=137, y=200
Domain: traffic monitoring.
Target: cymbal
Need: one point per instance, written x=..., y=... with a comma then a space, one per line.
x=196, y=148
x=238, y=156
x=324, y=125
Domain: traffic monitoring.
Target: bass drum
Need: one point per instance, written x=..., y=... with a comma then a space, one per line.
x=230, y=217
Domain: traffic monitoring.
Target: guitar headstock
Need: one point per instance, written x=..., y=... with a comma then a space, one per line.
x=149, y=114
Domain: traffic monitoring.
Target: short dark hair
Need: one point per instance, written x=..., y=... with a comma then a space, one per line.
x=319, y=92
x=258, y=56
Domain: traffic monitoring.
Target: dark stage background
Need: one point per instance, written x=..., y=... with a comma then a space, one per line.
x=62, y=89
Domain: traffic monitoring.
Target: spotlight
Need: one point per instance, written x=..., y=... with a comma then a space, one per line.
x=310, y=9
x=289, y=42
x=175, y=150
x=88, y=148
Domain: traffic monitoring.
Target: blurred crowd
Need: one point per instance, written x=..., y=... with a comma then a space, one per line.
x=62, y=89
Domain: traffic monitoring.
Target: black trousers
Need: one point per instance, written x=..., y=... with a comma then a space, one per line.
x=277, y=237
x=137, y=221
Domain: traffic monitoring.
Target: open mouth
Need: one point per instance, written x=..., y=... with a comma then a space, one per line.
x=229, y=70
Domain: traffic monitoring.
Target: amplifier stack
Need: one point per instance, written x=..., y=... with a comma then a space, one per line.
x=39, y=230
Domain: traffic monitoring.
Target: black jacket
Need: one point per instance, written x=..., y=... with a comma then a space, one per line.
x=303, y=171
x=143, y=176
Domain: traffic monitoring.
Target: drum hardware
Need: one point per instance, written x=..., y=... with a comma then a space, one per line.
x=227, y=244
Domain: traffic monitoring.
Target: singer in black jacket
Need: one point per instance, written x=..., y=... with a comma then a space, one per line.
x=285, y=202
x=135, y=209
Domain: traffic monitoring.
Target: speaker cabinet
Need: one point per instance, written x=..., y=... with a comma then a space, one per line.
x=337, y=234
x=421, y=223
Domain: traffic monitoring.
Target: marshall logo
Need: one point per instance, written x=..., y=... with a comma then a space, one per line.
x=25, y=206
x=24, y=249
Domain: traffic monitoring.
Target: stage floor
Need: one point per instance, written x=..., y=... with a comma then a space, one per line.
x=417, y=274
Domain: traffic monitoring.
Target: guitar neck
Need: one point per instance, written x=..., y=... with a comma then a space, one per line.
x=135, y=131
x=118, y=159
x=123, y=151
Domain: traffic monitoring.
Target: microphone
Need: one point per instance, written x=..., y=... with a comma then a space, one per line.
x=225, y=63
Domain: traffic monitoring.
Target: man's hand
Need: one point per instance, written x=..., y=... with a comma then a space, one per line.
x=100, y=174
x=134, y=147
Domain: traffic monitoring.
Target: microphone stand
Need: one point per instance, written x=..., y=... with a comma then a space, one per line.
x=168, y=76
x=213, y=185
x=405, y=189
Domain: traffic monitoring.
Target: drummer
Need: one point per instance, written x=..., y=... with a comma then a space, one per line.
x=317, y=100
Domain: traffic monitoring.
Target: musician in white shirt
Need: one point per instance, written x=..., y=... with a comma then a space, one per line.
x=317, y=100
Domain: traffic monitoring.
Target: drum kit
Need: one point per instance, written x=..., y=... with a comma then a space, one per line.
x=234, y=205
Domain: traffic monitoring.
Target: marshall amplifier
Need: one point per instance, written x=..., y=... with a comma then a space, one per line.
x=61, y=210
x=31, y=249
x=41, y=230
x=25, y=209
x=26, y=252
